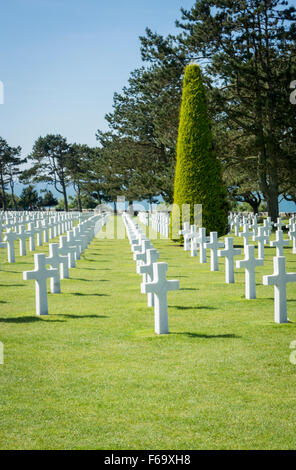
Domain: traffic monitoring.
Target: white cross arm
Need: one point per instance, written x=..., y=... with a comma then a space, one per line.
x=35, y=275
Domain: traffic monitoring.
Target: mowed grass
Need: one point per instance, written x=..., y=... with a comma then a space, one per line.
x=93, y=375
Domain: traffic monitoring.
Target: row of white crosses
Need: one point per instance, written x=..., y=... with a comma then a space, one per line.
x=279, y=279
x=46, y=225
x=154, y=281
x=61, y=257
x=160, y=222
x=144, y=217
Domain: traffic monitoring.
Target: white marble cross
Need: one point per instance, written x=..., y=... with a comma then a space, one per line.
x=201, y=239
x=279, y=243
x=140, y=256
x=40, y=275
x=39, y=230
x=66, y=250
x=249, y=264
x=267, y=224
x=236, y=224
x=22, y=235
x=261, y=238
x=292, y=221
x=292, y=235
x=245, y=234
x=45, y=226
x=72, y=241
x=9, y=238
x=56, y=261
x=160, y=287
x=79, y=236
x=146, y=270
x=279, y=223
x=185, y=232
x=137, y=247
x=279, y=280
x=31, y=234
x=229, y=253
x=213, y=245
x=190, y=238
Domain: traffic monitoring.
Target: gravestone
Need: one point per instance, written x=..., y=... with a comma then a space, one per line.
x=249, y=264
x=160, y=287
x=77, y=243
x=56, y=261
x=10, y=238
x=229, y=253
x=141, y=256
x=201, y=239
x=292, y=235
x=66, y=250
x=185, y=232
x=279, y=243
x=279, y=280
x=22, y=235
x=146, y=270
x=267, y=224
x=40, y=275
x=213, y=245
x=31, y=235
x=261, y=239
x=279, y=223
x=39, y=230
x=190, y=238
x=245, y=234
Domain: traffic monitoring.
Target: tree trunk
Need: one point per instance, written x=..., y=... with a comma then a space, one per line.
x=130, y=208
x=79, y=198
x=4, y=205
x=13, y=197
x=65, y=197
x=272, y=199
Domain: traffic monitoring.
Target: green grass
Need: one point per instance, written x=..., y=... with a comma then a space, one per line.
x=93, y=375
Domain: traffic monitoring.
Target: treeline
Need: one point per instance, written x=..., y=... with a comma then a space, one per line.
x=246, y=49
x=55, y=162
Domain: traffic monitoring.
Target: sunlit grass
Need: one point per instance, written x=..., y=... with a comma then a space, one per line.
x=94, y=375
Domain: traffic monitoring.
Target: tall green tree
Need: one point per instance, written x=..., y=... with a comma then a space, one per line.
x=250, y=50
x=48, y=200
x=49, y=163
x=77, y=166
x=10, y=169
x=198, y=178
x=29, y=198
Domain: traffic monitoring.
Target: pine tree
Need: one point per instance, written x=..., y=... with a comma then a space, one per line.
x=198, y=178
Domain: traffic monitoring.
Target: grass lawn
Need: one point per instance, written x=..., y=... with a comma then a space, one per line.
x=93, y=375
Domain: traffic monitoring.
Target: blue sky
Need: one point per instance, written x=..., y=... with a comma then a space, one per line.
x=62, y=61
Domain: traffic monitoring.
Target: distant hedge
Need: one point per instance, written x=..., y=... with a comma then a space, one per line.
x=198, y=178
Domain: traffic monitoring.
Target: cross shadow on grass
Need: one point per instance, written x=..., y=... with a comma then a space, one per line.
x=205, y=336
x=196, y=307
x=97, y=295
x=189, y=288
x=27, y=320
x=77, y=316
x=12, y=285
x=9, y=271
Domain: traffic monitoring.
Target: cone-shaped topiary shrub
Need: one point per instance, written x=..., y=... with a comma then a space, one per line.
x=198, y=177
